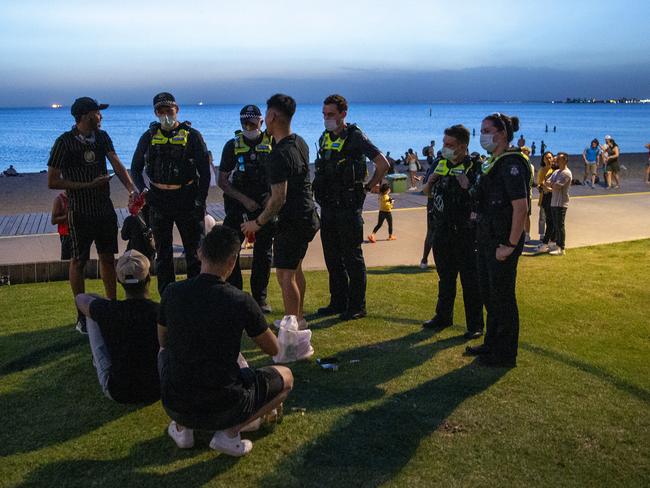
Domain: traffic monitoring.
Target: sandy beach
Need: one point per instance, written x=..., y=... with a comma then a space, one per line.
x=29, y=193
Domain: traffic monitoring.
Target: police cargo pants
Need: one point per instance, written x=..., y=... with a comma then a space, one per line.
x=341, y=234
x=262, y=257
x=164, y=214
x=498, y=280
x=454, y=253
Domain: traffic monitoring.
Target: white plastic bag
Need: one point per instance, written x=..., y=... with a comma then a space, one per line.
x=294, y=344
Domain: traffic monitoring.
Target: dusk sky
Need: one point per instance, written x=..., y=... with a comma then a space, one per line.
x=384, y=51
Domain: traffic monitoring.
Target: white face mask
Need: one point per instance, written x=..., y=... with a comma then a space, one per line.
x=487, y=142
x=331, y=124
x=448, y=153
x=251, y=135
x=167, y=122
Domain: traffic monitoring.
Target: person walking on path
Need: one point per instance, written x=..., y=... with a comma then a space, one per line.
x=177, y=162
x=560, y=183
x=77, y=165
x=385, y=213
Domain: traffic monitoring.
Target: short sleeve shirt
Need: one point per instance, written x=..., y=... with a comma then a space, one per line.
x=592, y=154
x=82, y=161
x=130, y=332
x=205, y=319
x=228, y=161
x=289, y=161
x=358, y=143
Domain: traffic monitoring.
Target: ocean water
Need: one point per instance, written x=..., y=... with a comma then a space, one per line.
x=26, y=135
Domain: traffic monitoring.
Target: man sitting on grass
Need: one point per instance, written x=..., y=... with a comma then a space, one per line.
x=200, y=328
x=122, y=335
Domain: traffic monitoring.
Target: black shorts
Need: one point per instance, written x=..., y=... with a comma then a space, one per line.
x=85, y=229
x=66, y=247
x=291, y=241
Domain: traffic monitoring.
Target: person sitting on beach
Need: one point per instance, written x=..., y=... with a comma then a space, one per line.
x=60, y=219
x=11, y=171
x=122, y=334
x=200, y=327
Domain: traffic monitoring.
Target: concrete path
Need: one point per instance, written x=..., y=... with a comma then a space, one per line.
x=592, y=219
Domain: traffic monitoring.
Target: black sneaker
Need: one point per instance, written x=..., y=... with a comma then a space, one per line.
x=437, y=323
x=265, y=307
x=81, y=325
x=330, y=310
x=352, y=315
x=476, y=350
x=472, y=334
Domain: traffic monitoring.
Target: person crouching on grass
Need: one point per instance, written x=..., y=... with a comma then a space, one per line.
x=385, y=213
x=200, y=326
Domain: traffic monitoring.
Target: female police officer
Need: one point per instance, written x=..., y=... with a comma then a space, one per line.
x=502, y=201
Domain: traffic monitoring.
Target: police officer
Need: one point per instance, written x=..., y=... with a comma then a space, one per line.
x=453, y=234
x=339, y=189
x=502, y=199
x=244, y=160
x=177, y=163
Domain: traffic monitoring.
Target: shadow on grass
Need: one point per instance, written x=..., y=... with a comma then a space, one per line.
x=626, y=387
x=54, y=395
x=368, y=448
x=317, y=322
x=405, y=270
x=135, y=469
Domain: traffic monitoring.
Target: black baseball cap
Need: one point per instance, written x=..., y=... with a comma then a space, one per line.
x=164, y=98
x=250, y=112
x=84, y=105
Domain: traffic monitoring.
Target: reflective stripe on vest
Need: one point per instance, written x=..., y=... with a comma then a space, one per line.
x=265, y=145
x=179, y=139
x=487, y=166
x=443, y=170
x=328, y=144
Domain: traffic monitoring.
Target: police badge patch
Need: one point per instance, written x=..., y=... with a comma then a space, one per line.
x=514, y=171
x=89, y=156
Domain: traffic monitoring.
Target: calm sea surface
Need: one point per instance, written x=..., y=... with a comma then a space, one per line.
x=26, y=135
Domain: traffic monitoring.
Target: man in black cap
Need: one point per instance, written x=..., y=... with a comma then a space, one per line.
x=177, y=164
x=77, y=165
x=243, y=179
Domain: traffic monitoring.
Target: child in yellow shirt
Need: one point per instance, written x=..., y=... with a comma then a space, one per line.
x=385, y=207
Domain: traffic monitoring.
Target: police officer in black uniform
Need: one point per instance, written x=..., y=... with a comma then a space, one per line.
x=339, y=189
x=453, y=234
x=177, y=164
x=502, y=198
x=243, y=179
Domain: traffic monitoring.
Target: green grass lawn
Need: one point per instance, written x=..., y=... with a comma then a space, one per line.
x=412, y=412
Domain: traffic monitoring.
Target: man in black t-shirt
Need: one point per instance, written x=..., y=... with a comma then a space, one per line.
x=123, y=335
x=200, y=327
x=340, y=189
x=291, y=200
x=245, y=185
x=77, y=165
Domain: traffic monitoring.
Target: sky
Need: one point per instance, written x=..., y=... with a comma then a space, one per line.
x=371, y=51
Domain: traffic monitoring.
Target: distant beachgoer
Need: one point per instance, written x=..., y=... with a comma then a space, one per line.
x=60, y=219
x=413, y=166
x=554, y=129
x=613, y=166
x=391, y=162
x=11, y=171
x=385, y=213
x=521, y=142
x=431, y=152
x=560, y=182
x=533, y=148
x=590, y=156
x=647, y=166
x=546, y=129
x=542, y=149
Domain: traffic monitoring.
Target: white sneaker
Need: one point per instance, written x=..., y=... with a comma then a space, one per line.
x=424, y=265
x=302, y=324
x=81, y=325
x=232, y=446
x=557, y=252
x=542, y=248
x=183, y=438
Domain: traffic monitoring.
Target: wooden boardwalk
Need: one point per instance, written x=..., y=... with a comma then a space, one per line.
x=39, y=223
